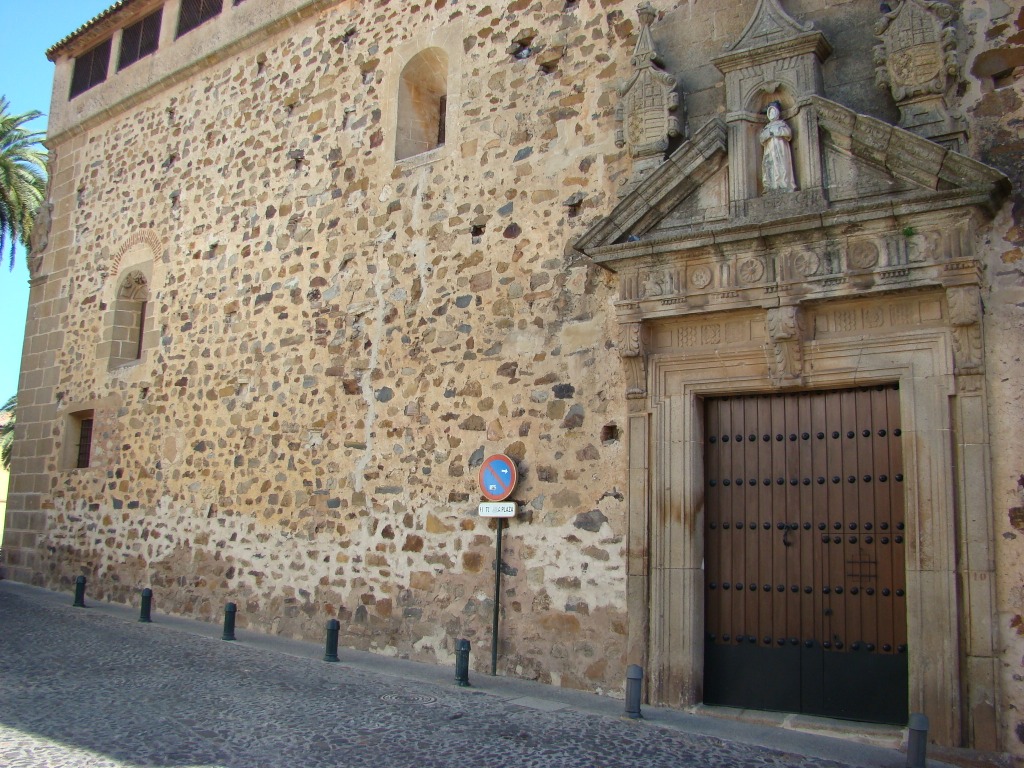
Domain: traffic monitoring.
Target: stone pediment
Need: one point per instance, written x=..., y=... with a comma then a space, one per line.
x=870, y=170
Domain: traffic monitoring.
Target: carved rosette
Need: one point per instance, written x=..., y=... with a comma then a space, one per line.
x=644, y=117
x=786, y=331
x=633, y=350
x=965, y=320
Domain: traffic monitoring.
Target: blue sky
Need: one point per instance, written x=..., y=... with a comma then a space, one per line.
x=26, y=78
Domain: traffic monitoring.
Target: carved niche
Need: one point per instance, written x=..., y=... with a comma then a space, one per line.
x=644, y=117
x=776, y=59
x=917, y=60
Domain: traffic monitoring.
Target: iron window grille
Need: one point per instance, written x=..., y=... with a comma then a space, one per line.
x=90, y=69
x=196, y=12
x=140, y=39
x=84, y=442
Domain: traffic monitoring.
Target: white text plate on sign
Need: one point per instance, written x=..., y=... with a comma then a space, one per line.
x=498, y=509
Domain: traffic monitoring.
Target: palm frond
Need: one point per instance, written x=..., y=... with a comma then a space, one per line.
x=22, y=178
x=7, y=431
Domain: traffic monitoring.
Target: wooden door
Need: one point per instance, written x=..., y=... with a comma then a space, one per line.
x=805, y=584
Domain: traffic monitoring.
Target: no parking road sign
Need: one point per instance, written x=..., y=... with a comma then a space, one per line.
x=498, y=477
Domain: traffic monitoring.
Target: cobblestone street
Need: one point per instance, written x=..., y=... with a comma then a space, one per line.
x=89, y=688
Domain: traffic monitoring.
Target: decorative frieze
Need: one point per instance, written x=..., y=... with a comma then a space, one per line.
x=849, y=318
x=862, y=262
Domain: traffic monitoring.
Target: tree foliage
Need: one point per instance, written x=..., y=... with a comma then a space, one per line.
x=22, y=178
x=7, y=432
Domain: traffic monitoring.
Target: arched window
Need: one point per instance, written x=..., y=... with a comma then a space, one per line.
x=422, y=104
x=128, y=331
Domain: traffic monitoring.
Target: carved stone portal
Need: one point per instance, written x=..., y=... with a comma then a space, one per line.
x=917, y=60
x=644, y=118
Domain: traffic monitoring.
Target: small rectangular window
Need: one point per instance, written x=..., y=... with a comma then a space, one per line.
x=84, y=441
x=140, y=39
x=90, y=69
x=196, y=12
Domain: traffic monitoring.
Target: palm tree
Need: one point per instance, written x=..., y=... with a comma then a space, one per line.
x=7, y=418
x=22, y=178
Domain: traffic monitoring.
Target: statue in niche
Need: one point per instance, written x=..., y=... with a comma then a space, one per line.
x=777, y=161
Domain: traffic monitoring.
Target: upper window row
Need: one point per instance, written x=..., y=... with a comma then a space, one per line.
x=137, y=41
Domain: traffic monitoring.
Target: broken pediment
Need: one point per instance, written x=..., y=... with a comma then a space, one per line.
x=868, y=167
x=789, y=199
x=895, y=212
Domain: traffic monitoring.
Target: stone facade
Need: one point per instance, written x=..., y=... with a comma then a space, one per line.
x=328, y=342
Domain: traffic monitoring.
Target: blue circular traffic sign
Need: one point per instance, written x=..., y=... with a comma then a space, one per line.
x=498, y=477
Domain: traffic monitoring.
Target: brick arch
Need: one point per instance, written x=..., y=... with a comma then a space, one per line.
x=145, y=237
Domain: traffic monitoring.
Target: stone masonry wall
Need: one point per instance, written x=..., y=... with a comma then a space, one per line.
x=993, y=104
x=340, y=340
x=338, y=351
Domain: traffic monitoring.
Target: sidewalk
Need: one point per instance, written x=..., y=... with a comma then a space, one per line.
x=224, y=704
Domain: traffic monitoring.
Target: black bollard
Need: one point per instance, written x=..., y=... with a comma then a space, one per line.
x=79, y=593
x=147, y=606
x=462, y=663
x=229, y=621
x=917, y=740
x=331, y=650
x=634, y=679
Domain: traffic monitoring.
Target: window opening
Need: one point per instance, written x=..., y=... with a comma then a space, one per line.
x=422, y=104
x=84, y=441
x=128, y=331
x=140, y=39
x=197, y=12
x=90, y=69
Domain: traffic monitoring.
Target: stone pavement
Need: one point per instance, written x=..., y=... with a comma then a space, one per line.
x=93, y=688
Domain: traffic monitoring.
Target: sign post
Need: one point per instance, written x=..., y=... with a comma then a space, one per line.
x=498, y=476
x=497, y=599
